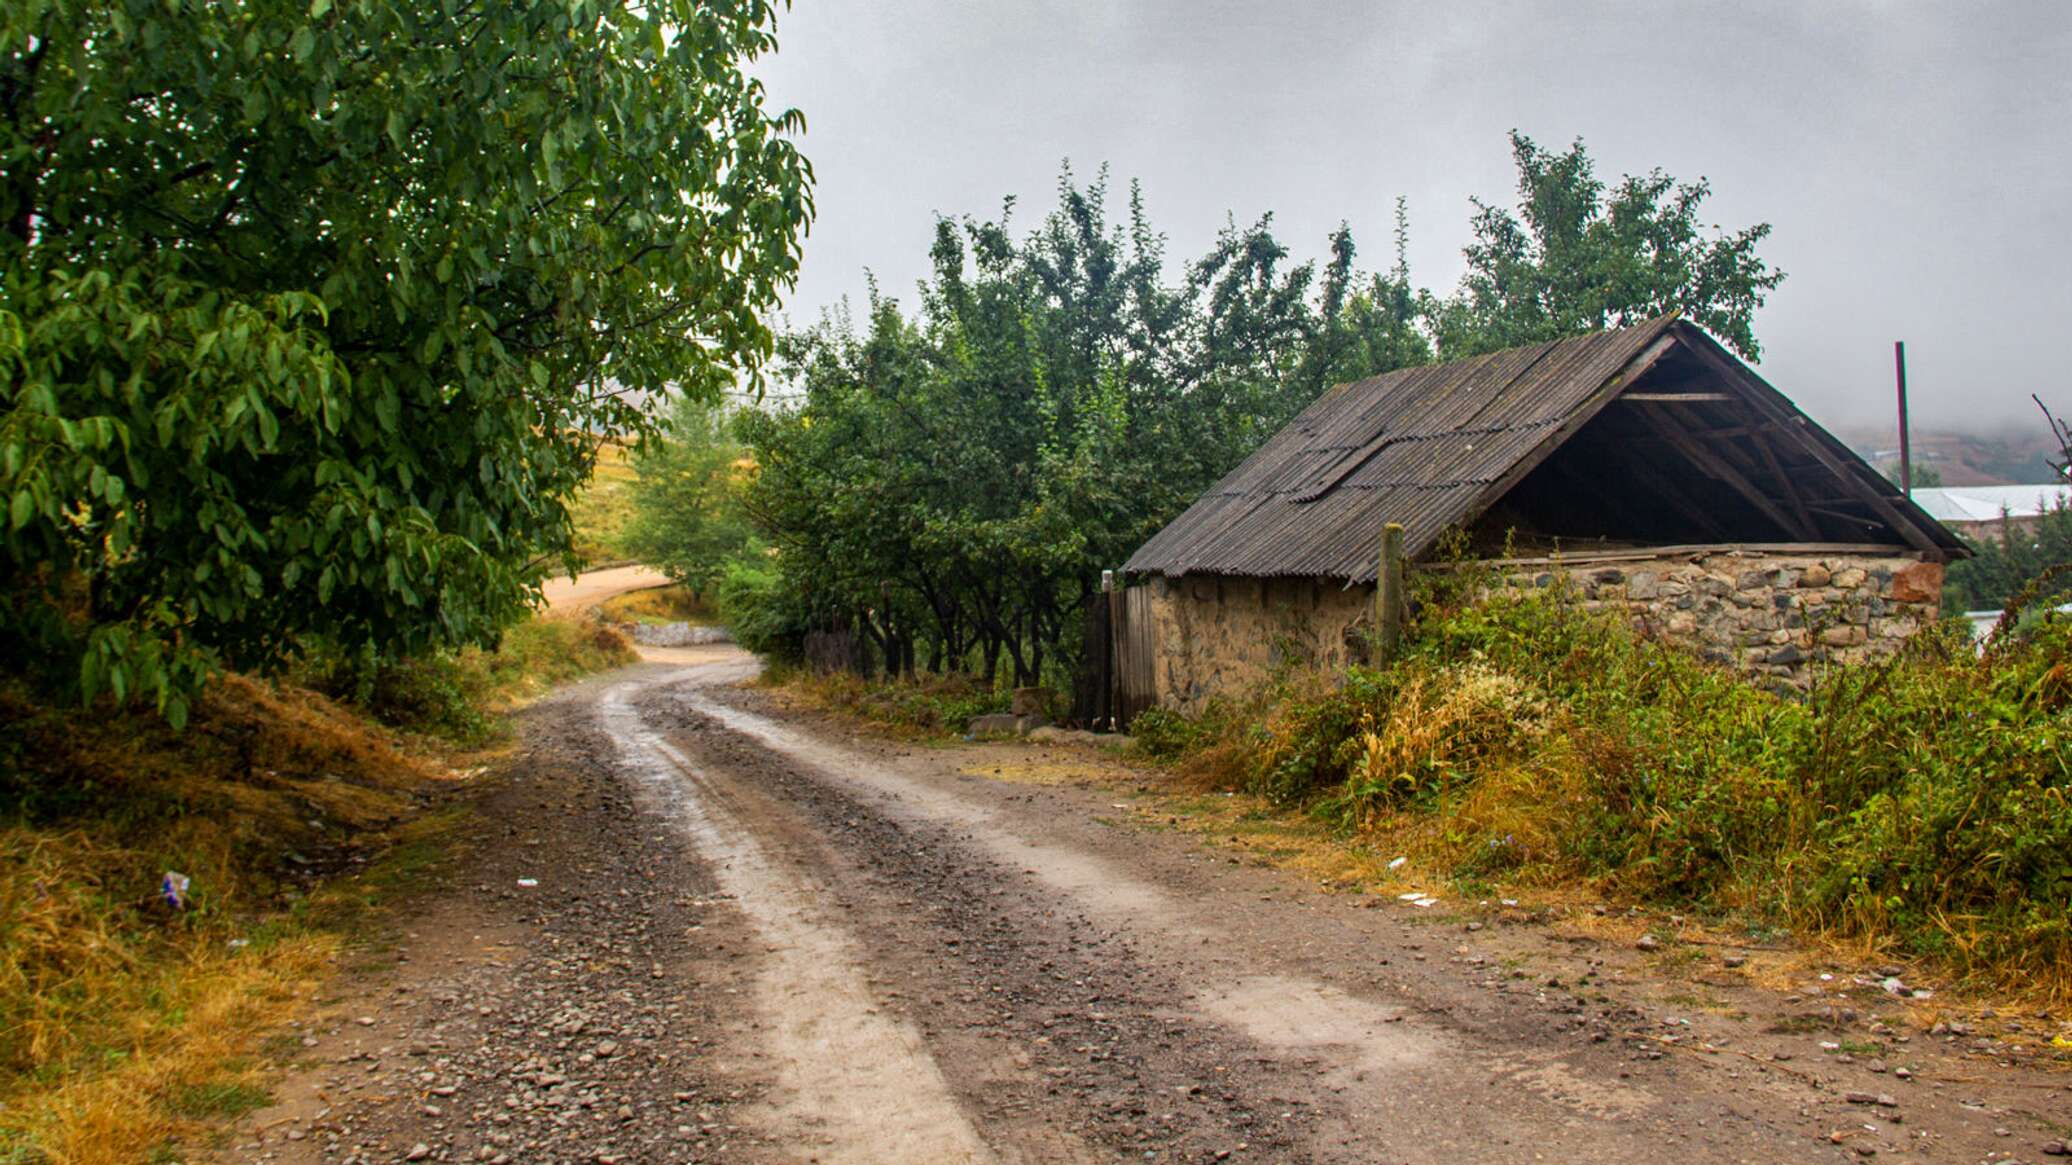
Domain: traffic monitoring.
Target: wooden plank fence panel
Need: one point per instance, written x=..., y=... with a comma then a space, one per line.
x=1136, y=643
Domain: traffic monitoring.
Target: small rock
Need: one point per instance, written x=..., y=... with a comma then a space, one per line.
x=1648, y=942
x=2057, y=1149
x=418, y=1152
x=1736, y=960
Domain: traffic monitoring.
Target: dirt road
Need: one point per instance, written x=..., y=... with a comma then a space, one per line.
x=699, y=927
x=573, y=596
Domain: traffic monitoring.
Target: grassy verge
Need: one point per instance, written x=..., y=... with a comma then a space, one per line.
x=1916, y=809
x=129, y=1026
x=603, y=508
x=456, y=696
x=928, y=706
x=670, y=604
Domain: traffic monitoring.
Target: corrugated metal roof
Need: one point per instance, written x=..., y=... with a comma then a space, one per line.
x=1986, y=503
x=1429, y=447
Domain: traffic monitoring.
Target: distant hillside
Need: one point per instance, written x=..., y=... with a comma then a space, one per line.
x=2017, y=456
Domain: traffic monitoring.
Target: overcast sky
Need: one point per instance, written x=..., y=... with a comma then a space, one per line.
x=1911, y=155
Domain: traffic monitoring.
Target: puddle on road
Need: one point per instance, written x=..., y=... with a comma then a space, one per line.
x=861, y=1078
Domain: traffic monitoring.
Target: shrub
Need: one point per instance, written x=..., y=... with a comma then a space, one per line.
x=1919, y=803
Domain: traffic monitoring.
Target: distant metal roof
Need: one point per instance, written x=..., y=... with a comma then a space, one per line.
x=1434, y=447
x=1985, y=503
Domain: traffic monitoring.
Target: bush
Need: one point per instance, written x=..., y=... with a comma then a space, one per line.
x=1919, y=803
x=761, y=613
x=453, y=695
x=926, y=704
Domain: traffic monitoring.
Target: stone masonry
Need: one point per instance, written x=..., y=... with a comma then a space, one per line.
x=1769, y=614
x=1766, y=613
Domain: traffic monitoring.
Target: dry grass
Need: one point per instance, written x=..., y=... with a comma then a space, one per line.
x=538, y=654
x=126, y=1024
x=670, y=604
x=604, y=507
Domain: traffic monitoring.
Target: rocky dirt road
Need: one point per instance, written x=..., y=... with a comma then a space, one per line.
x=698, y=927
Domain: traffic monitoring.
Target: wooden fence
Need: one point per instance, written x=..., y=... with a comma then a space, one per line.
x=1118, y=678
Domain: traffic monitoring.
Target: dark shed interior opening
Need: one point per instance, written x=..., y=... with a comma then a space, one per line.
x=1678, y=458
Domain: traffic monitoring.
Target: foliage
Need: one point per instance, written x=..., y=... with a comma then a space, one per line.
x=454, y=695
x=950, y=483
x=1918, y=803
x=2004, y=563
x=924, y=705
x=687, y=520
x=761, y=613
x=307, y=310
x=2025, y=563
x=1579, y=257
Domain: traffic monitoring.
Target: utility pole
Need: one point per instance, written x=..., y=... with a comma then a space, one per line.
x=1906, y=451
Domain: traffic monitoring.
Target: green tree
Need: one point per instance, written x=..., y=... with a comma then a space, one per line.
x=687, y=517
x=1578, y=256
x=307, y=310
x=950, y=484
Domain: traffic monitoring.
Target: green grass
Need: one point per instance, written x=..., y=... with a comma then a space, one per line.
x=927, y=706
x=218, y=1100
x=1917, y=806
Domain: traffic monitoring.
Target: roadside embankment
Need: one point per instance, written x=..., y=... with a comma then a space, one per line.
x=169, y=899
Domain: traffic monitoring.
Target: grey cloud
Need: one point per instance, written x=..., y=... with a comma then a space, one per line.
x=1908, y=153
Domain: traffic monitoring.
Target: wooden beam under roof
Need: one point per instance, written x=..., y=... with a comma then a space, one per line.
x=1760, y=393
x=1716, y=466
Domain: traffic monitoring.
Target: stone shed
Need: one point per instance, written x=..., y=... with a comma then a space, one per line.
x=1648, y=466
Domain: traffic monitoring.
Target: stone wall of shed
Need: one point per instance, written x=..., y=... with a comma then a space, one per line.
x=1769, y=614
x=1217, y=634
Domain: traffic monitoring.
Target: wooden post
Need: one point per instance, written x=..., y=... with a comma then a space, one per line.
x=1388, y=591
x=1114, y=597
x=1906, y=448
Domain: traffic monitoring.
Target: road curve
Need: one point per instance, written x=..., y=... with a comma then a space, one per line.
x=702, y=926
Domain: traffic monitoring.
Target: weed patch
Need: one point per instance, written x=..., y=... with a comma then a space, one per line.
x=929, y=705
x=1916, y=806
